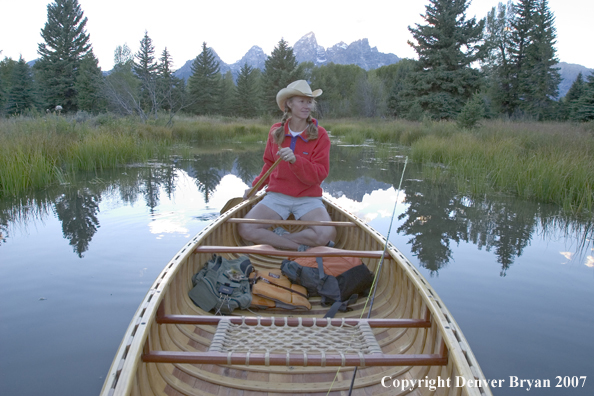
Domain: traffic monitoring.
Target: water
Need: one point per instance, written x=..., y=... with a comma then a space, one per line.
x=76, y=260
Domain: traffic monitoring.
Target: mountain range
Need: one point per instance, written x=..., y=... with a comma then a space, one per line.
x=358, y=53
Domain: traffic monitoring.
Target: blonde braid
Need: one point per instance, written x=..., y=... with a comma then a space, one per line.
x=312, y=129
x=279, y=133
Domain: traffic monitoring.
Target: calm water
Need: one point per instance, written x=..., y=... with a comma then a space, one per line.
x=76, y=260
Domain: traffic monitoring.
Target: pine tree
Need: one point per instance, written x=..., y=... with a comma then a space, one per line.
x=472, y=113
x=540, y=78
x=165, y=64
x=227, y=94
x=171, y=89
x=569, y=102
x=280, y=69
x=584, y=110
x=7, y=65
x=205, y=83
x=447, y=45
x=21, y=95
x=165, y=79
x=145, y=68
x=535, y=79
x=66, y=43
x=521, y=27
x=89, y=85
x=246, y=93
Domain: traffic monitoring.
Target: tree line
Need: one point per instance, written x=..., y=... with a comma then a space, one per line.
x=501, y=65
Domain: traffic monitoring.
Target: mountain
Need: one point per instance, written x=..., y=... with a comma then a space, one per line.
x=358, y=53
x=307, y=50
x=569, y=72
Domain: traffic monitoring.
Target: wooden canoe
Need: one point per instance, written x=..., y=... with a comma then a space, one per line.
x=165, y=350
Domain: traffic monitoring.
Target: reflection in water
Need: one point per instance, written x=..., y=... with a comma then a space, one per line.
x=77, y=210
x=434, y=216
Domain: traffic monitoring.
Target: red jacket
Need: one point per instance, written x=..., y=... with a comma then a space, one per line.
x=303, y=177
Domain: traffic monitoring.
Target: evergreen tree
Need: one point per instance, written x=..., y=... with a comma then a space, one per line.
x=584, y=110
x=472, y=112
x=227, y=94
x=246, y=93
x=145, y=65
x=539, y=77
x=393, y=77
x=89, y=84
x=165, y=79
x=21, y=95
x=7, y=65
x=280, y=69
x=572, y=96
x=66, y=43
x=205, y=83
x=521, y=26
x=146, y=69
x=165, y=64
x=447, y=45
x=171, y=89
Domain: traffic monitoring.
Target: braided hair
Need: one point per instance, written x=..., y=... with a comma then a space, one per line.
x=311, y=130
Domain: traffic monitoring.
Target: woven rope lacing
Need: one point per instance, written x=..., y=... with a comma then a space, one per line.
x=321, y=340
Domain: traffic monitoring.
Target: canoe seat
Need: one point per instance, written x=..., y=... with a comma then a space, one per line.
x=295, y=342
x=340, y=340
x=318, y=251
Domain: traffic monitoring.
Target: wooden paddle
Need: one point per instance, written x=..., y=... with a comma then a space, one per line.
x=236, y=201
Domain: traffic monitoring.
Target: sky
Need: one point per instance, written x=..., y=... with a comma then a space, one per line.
x=232, y=27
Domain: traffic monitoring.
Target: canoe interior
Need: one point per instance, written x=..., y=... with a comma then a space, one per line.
x=401, y=293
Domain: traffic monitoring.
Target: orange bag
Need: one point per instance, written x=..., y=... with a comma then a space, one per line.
x=271, y=289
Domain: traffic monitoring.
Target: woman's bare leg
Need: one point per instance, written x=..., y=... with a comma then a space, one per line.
x=314, y=235
x=259, y=233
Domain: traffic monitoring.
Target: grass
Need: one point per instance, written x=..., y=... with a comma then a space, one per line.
x=36, y=152
x=545, y=162
x=548, y=162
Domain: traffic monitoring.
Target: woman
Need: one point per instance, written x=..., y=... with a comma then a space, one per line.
x=294, y=185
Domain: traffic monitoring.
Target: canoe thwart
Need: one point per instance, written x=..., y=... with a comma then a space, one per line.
x=261, y=359
x=292, y=222
x=318, y=251
x=292, y=322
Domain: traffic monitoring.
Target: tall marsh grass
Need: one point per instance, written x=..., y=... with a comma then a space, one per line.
x=543, y=162
x=35, y=152
x=547, y=162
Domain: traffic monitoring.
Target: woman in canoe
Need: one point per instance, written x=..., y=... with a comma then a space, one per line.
x=294, y=185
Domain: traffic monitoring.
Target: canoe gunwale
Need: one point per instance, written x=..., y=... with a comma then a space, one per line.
x=128, y=357
x=457, y=345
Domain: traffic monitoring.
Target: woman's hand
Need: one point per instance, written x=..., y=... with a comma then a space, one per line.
x=246, y=192
x=287, y=155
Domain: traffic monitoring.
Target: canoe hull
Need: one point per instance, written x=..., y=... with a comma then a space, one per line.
x=402, y=293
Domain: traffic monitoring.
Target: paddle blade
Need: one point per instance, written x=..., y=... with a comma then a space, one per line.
x=231, y=203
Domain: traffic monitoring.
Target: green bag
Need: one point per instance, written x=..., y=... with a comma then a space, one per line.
x=223, y=285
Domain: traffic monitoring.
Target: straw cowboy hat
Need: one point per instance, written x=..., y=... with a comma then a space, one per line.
x=297, y=88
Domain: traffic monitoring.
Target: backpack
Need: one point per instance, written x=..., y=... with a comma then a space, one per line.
x=223, y=285
x=337, y=280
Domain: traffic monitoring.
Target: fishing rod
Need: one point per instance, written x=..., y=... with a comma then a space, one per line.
x=374, y=286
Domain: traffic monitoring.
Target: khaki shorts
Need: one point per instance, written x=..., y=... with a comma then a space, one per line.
x=284, y=205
